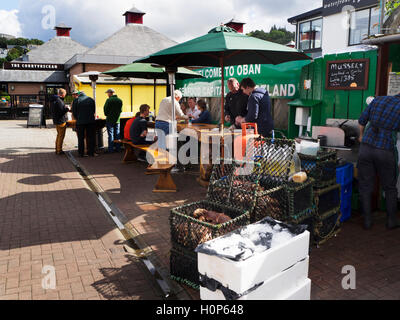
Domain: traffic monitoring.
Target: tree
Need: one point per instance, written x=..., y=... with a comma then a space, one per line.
x=277, y=35
x=391, y=6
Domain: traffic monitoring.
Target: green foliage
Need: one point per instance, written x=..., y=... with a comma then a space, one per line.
x=69, y=99
x=2, y=60
x=391, y=6
x=5, y=95
x=277, y=35
x=22, y=42
x=15, y=53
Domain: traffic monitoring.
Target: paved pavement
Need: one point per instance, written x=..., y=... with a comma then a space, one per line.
x=49, y=217
x=56, y=209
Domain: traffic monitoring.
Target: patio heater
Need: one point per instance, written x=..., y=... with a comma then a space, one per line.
x=173, y=140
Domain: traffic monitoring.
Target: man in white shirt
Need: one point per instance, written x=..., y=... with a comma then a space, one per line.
x=193, y=111
x=164, y=117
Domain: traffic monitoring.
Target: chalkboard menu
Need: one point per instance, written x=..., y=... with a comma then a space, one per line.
x=347, y=74
x=35, y=116
x=394, y=84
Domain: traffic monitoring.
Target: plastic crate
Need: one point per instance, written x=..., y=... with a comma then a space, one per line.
x=345, y=207
x=183, y=266
x=344, y=174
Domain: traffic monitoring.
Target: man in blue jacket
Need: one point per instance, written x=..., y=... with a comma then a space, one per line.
x=258, y=108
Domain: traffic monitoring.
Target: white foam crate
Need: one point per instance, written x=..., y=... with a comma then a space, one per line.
x=301, y=293
x=240, y=276
x=276, y=288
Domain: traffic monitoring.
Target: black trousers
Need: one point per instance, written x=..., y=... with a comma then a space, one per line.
x=371, y=162
x=87, y=131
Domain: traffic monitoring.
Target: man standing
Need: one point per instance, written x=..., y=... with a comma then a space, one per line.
x=59, y=111
x=379, y=124
x=84, y=109
x=113, y=110
x=193, y=111
x=258, y=108
x=164, y=118
x=235, y=102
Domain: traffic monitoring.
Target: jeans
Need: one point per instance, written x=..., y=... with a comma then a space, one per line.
x=372, y=161
x=165, y=127
x=88, y=132
x=61, y=129
x=114, y=133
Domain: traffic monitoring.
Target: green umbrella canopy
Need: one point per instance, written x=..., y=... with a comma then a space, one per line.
x=224, y=43
x=147, y=71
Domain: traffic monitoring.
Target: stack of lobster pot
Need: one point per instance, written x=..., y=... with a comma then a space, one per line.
x=278, y=196
x=327, y=193
x=230, y=198
x=267, y=260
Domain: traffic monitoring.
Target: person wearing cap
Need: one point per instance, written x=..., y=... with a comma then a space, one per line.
x=113, y=110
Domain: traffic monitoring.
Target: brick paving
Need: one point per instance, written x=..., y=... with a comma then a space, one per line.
x=375, y=254
x=48, y=217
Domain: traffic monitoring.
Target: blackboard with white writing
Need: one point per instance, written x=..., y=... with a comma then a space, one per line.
x=347, y=75
x=35, y=117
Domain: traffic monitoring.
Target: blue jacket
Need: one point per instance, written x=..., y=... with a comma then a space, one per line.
x=259, y=111
x=205, y=117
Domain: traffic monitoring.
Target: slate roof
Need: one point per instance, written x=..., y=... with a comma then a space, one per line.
x=134, y=40
x=33, y=76
x=58, y=51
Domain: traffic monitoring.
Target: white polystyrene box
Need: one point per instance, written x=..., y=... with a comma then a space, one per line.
x=303, y=292
x=240, y=276
x=276, y=288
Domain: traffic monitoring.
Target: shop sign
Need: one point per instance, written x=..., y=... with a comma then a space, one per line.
x=33, y=66
x=281, y=81
x=335, y=6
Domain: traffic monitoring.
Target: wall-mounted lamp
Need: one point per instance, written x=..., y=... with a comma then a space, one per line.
x=12, y=88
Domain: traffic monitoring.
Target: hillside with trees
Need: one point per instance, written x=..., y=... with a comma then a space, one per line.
x=21, y=47
x=277, y=35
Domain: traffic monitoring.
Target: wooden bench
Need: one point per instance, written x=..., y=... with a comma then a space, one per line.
x=161, y=165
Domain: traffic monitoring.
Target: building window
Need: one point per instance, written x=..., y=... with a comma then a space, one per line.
x=363, y=23
x=310, y=35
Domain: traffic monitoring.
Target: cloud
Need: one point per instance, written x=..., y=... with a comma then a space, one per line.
x=95, y=20
x=9, y=23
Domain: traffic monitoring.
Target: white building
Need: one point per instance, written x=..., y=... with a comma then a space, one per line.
x=337, y=26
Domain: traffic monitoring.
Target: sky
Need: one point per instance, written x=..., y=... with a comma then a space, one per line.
x=92, y=21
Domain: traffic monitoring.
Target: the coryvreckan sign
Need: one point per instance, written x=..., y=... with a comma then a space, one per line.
x=336, y=6
x=33, y=66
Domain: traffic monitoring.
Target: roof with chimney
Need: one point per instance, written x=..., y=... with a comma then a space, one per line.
x=134, y=10
x=134, y=40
